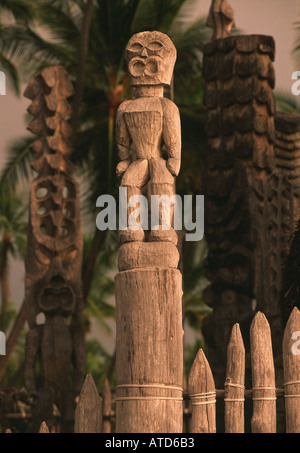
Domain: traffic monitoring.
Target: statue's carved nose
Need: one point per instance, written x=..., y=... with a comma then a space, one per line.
x=144, y=52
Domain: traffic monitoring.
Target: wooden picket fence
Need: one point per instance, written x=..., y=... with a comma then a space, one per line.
x=94, y=414
x=264, y=394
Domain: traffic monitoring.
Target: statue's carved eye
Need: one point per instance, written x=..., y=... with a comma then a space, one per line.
x=152, y=67
x=136, y=47
x=138, y=68
x=155, y=45
x=42, y=257
x=41, y=211
x=41, y=192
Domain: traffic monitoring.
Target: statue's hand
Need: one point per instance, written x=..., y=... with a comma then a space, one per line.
x=173, y=165
x=122, y=167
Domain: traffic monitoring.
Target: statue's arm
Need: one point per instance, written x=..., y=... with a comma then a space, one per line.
x=123, y=140
x=172, y=135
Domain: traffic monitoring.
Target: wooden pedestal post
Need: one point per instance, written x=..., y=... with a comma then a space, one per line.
x=149, y=342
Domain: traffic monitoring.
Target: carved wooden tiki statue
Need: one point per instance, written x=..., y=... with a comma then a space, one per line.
x=54, y=254
x=148, y=127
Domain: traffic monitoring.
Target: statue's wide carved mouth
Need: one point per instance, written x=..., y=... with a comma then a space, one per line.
x=56, y=299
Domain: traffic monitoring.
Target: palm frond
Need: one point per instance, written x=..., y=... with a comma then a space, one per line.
x=21, y=10
x=17, y=167
x=286, y=102
x=11, y=73
x=26, y=46
x=144, y=13
x=59, y=24
x=187, y=14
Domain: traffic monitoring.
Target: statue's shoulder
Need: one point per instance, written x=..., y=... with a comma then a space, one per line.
x=123, y=107
x=169, y=106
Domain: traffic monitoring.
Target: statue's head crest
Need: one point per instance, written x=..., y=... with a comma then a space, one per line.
x=220, y=19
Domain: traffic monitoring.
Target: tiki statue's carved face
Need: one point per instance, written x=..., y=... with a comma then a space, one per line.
x=151, y=57
x=53, y=260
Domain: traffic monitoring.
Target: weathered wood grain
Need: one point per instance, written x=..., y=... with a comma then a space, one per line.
x=291, y=368
x=263, y=376
x=149, y=351
x=106, y=398
x=88, y=413
x=147, y=254
x=235, y=383
x=202, y=393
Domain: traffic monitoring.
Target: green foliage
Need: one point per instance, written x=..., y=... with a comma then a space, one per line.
x=190, y=352
x=286, y=102
x=98, y=362
x=13, y=226
x=16, y=361
x=194, y=282
x=100, y=308
x=17, y=167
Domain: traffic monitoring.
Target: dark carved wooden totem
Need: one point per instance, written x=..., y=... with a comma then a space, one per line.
x=251, y=193
x=53, y=295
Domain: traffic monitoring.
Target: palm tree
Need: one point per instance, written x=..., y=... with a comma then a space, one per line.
x=106, y=83
x=18, y=12
x=22, y=148
x=12, y=244
x=12, y=241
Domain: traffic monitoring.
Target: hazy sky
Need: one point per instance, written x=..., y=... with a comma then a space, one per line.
x=271, y=17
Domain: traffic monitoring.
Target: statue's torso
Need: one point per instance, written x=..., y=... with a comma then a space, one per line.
x=144, y=121
x=56, y=351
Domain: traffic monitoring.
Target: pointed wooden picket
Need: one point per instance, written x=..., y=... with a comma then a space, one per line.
x=235, y=383
x=88, y=414
x=202, y=393
x=263, y=376
x=291, y=369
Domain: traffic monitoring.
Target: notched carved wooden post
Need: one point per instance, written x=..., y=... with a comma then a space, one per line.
x=248, y=200
x=53, y=292
x=148, y=288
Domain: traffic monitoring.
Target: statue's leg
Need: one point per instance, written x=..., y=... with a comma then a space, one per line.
x=134, y=179
x=67, y=409
x=162, y=185
x=42, y=410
